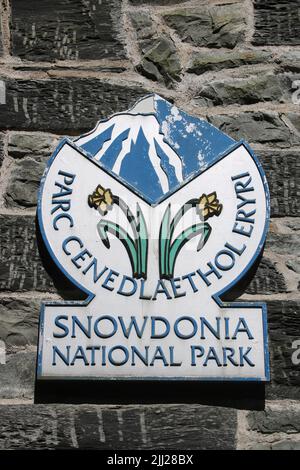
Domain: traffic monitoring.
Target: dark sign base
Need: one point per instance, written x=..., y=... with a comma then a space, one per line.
x=238, y=395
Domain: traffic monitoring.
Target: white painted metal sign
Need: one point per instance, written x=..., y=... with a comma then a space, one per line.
x=154, y=215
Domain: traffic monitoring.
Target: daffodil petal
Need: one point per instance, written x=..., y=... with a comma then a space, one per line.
x=212, y=197
x=103, y=206
x=100, y=190
x=205, y=212
x=108, y=197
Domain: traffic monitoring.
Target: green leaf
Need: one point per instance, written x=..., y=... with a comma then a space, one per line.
x=199, y=229
x=106, y=226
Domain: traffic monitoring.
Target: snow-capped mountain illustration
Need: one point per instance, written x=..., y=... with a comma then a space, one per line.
x=154, y=146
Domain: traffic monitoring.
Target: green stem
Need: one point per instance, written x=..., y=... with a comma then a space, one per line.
x=164, y=244
x=142, y=242
x=139, y=230
x=128, y=214
x=183, y=210
x=166, y=235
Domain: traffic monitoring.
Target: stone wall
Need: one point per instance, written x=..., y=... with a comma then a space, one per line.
x=67, y=63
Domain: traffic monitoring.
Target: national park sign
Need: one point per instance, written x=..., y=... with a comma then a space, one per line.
x=154, y=215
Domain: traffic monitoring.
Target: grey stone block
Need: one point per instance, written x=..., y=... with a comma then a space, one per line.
x=250, y=90
x=294, y=265
x=202, y=62
x=19, y=321
x=290, y=88
x=34, y=145
x=284, y=244
x=276, y=22
x=20, y=265
x=294, y=119
x=1, y=40
x=293, y=225
x=157, y=2
x=144, y=28
x=286, y=445
x=267, y=280
x=2, y=137
x=115, y=428
x=272, y=421
x=290, y=60
x=258, y=127
x=66, y=29
x=17, y=376
x=31, y=152
x=24, y=183
x=284, y=327
x=260, y=447
x=64, y=106
x=282, y=169
x=209, y=25
x=161, y=61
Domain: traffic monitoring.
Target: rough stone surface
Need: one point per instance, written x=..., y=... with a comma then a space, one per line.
x=19, y=321
x=116, y=428
x=66, y=29
x=24, y=183
x=250, y=90
x=294, y=121
x=20, y=265
x=267, y=280
x=290, y=87
x=202, y=62
x=2, y=137
x=144, y=28
x=286, y=445
x=271, y=421
x=161, y=61
x=63, y=106
x=34, y=145
x=292, y=224
x=276, y=22
x=258, y=127
x=31, y=152
x=290, y=60
x=283, y=171
x=17, y=376
x=284, y=327
x=1, y=43
x=157, y=2
x=284, y=244
x=209, y=26
x=294, y=265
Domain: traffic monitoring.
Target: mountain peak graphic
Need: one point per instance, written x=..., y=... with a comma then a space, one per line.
x=154, y=146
